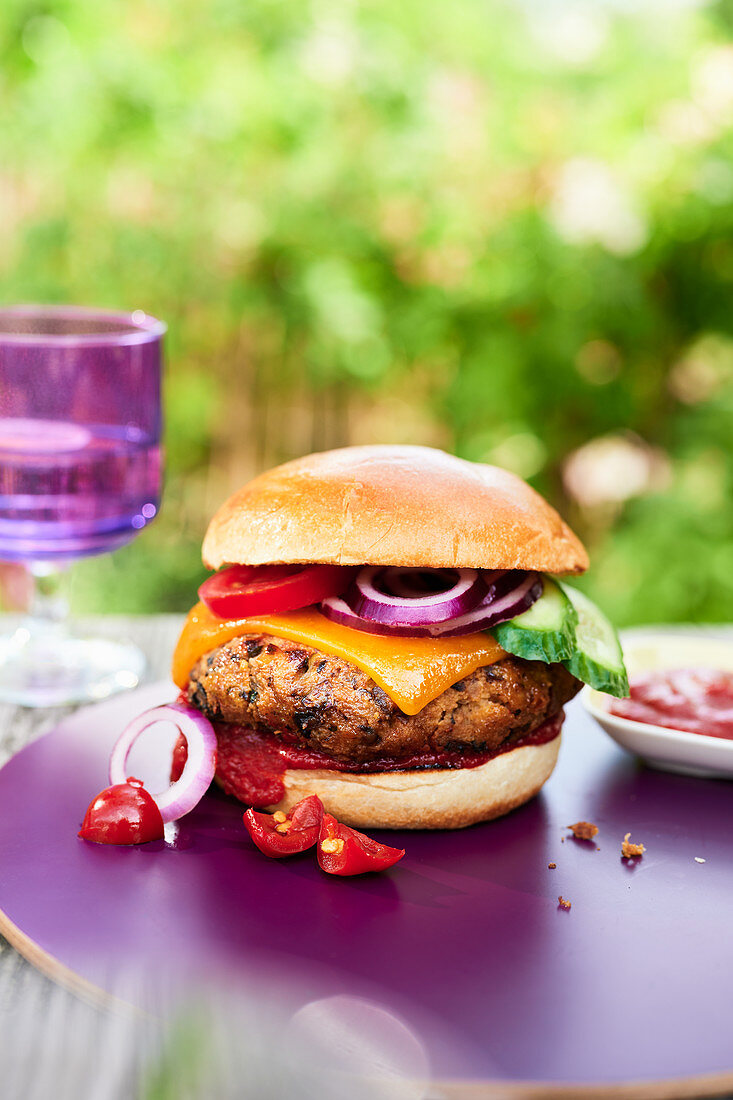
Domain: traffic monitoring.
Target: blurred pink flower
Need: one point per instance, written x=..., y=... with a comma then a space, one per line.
x=612, y=469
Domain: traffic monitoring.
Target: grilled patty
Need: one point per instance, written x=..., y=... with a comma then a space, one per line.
x=322, y=702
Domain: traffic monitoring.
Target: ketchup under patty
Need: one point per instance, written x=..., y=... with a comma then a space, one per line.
x=698, y=700
x=250, y=765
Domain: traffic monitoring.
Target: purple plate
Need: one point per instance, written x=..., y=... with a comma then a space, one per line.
x=464, y=940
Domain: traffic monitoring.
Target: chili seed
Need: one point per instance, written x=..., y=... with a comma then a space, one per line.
x=332, y=845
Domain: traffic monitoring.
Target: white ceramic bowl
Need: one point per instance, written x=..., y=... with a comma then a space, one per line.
x=670, y=750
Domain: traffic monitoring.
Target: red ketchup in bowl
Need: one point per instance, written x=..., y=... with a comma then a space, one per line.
x=698, y=700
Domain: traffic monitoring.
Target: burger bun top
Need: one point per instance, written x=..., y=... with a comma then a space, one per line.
x=392, y=505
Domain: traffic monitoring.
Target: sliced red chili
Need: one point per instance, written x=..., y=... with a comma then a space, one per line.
x=245, y=590
x=344, y=851
x=281, y=834
x=122, y=814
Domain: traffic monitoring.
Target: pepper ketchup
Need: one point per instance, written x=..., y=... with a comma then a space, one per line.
x=697, y=700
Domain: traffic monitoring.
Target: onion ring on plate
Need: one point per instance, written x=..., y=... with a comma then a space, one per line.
x=195, y=779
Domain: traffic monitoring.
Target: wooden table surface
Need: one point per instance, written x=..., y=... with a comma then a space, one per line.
x=53, y=1044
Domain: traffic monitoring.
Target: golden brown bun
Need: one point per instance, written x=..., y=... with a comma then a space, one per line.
x=389, y=505
x=447, y=798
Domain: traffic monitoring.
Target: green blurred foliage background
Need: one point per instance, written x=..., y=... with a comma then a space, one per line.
x=503, y=228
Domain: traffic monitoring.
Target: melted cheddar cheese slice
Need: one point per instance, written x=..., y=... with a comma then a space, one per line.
x=412, y=671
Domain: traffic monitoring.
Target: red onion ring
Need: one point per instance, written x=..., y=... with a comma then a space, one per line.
x=411, y=583
x=492, y=611
x=181, y=797
x=508, y=595
x=336, y=609
x=367, y=596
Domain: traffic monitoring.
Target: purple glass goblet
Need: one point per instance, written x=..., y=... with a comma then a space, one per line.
x=80, y=474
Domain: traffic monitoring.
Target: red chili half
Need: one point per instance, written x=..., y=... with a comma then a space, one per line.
x=344, y=851
x=122, y=814
x=281, y=834
x=245, y=590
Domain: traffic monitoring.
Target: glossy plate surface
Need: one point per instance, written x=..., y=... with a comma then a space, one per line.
x=464, y=940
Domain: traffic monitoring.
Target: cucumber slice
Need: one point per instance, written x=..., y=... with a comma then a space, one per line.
x=546, y=632
x=597, y=658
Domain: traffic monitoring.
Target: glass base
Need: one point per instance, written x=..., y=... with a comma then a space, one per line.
x=44, y=665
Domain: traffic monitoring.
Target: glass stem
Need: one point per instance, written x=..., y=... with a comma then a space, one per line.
x=48, y=606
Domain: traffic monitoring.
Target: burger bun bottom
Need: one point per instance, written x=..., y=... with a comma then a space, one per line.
x=441, y=798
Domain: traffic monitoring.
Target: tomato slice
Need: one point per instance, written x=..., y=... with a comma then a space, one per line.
x=244, y=590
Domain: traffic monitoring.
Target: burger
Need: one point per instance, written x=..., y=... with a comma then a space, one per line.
x=389, y=628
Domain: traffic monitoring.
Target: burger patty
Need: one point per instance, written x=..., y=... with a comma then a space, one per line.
x=322, y=702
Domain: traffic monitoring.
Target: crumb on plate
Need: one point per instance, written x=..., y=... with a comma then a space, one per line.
x=564, y=903
x=583, y=830
x=699, y=859
x=551, y=866
x=629, y=850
